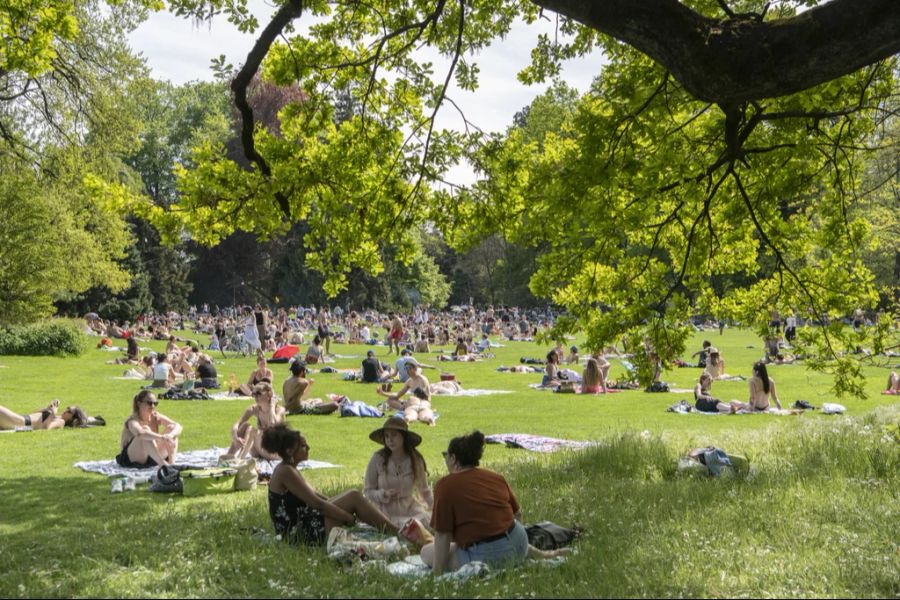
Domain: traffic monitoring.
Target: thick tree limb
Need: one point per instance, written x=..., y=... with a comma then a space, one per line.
x=288, y=12
x=734, y=60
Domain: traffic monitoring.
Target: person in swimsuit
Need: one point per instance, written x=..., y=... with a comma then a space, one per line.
x=315, y=353
x=893, y=383
x=300, y=514
x=762, y=388
x=261, y=373
x=323, y=330
x=395, y=334
x=704, y=399
x=244, y=436
x=47, y=418
x=551, y=371
x=149, y=438
x=418, y=406
x=592, y=380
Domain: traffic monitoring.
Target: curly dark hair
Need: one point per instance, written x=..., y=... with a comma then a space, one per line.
x=467, y=449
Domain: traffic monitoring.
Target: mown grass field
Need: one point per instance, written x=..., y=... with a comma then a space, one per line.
x=818, y=517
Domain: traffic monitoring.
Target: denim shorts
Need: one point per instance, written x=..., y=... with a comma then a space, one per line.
x=511, y=548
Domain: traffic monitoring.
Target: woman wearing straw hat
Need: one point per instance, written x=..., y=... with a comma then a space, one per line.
x=396, y=476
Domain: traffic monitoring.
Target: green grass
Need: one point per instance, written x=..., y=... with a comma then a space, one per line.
x=818, y=517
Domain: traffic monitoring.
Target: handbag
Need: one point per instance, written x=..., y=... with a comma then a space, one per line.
x=247, y=475
x=550, y=536
x=166, y=480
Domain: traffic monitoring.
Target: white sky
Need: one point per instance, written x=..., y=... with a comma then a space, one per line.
x=178, y=51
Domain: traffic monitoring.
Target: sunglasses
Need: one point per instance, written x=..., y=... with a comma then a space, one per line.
x=151, y=402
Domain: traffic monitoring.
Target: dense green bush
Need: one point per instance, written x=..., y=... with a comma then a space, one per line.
x=57, y=337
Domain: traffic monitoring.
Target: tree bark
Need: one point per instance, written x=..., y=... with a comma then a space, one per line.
x=733, y=60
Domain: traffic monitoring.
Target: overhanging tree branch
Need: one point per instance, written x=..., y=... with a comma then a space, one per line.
x=292, y=9
x=733, y=60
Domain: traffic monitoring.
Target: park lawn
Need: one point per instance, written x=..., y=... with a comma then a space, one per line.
x=818, y=517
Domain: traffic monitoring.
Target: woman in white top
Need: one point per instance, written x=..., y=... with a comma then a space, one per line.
x=251, y=333
x=163, y=374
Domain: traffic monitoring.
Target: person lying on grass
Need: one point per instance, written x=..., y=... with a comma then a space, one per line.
x=47, y=418
x=149, y=438
x=244, y=436
x=418, y=406
x=476, y=515
x=299, y=513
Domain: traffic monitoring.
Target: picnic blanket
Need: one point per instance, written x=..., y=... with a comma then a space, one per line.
x=474, y=392
x=412, y=567
x=536, y=443
x=195, y=458
x=229, y=396
x=537, y=386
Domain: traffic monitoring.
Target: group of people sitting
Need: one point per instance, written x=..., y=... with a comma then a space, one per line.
x=593, y=378
x=762, y=394
x=473, y=512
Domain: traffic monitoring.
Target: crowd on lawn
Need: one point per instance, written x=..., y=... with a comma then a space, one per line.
x=472, y=512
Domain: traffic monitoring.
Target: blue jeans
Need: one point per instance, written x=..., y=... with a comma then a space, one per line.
x=511, y=548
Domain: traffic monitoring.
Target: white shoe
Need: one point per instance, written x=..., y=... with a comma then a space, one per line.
x=128, y=485
x=117, y=486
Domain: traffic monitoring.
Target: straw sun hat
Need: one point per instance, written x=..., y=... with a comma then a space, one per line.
x=397, y=424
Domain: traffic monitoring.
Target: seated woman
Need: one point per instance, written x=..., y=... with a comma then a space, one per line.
x=715, y=366
x=573, y=358
x=149, y=438
x=299, y=513
x=261, y=373
x=396, y=481
x=247, y=438
x=163, y=374
x=182, y=367
x=551, y=371
x=476, y=515
x=315, y=353
x=418, y=407
x=47, y=418
x=762, y=388
x=421, y=345
x=704, y=399
x=593, y=380
x=206, y=370
x=893, y=383
x=172, y=346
